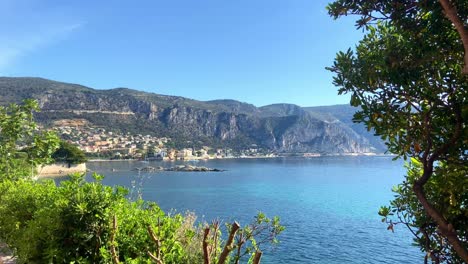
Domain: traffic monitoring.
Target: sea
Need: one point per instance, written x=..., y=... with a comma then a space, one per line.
x=328, y=205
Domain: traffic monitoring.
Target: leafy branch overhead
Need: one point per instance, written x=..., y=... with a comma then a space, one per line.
x=412, y=15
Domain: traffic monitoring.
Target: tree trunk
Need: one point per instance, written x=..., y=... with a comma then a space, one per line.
x=206, y=253
x=451, y=13
x=257, y=257
x=115, y=257
x=229, y=243
x=156, y=258
x=445, y=228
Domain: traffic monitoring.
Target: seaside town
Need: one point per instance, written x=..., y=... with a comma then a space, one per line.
x=99, y=143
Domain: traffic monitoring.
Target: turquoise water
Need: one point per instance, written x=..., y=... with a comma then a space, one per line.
x=329, y=204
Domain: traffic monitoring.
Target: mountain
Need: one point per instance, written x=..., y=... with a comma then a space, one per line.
x=344, y=114
x=221, y=123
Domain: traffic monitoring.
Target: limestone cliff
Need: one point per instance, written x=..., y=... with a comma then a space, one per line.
x=280, y=127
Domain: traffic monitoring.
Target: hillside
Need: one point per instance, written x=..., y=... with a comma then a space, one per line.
x=279, y=127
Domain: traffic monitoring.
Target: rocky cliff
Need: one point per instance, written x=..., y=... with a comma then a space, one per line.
x=280, y=127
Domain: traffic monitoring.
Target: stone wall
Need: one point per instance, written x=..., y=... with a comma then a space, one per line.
x=60, y=169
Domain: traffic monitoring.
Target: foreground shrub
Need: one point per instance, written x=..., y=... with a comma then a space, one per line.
x=88, y=222
x=73, y=222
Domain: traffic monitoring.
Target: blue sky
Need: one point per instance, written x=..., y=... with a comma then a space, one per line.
x=255, y=51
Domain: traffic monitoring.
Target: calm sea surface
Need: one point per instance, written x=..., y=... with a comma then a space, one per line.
x=329, y=204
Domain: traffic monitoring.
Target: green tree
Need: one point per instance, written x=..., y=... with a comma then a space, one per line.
x=22, y=145
x=69, y=154
x=408, y=75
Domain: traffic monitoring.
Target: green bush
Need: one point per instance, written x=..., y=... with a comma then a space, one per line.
x=45, y=223
x=74, y=223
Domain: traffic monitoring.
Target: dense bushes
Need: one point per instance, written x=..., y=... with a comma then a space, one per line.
x=73, y=222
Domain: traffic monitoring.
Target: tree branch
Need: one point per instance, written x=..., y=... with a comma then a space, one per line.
x=239, y=245
x=445, y=228
x=215, y=225
x=257, y=257
x=154, y=258
x=206, y=253
x=229, y=243
x=450, y=12
x=115, y=257
x=157, y=242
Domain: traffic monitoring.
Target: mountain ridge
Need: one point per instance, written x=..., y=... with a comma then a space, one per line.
x=224, y=122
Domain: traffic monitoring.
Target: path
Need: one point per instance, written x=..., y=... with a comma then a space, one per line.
x=6, y=258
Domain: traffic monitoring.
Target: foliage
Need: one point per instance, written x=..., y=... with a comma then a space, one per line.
x=243, y=243
x=406, y=76
x=447, y=189
x=72, y=222
x=69, y=154
x=22, y=145
x=252, y=237
x=48, y=224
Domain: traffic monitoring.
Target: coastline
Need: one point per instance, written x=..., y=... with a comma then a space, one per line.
x=60, y=169
x=283, y=155
x=100, y=160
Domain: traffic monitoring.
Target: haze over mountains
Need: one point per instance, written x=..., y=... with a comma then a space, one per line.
x=220, y=123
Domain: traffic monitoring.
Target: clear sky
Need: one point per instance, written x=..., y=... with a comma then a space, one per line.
x=255, y=51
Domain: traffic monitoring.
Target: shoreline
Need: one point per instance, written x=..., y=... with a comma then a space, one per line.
x=291, y=155
x=60, y=169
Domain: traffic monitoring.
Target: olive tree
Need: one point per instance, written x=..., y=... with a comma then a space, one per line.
x=409, y=77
